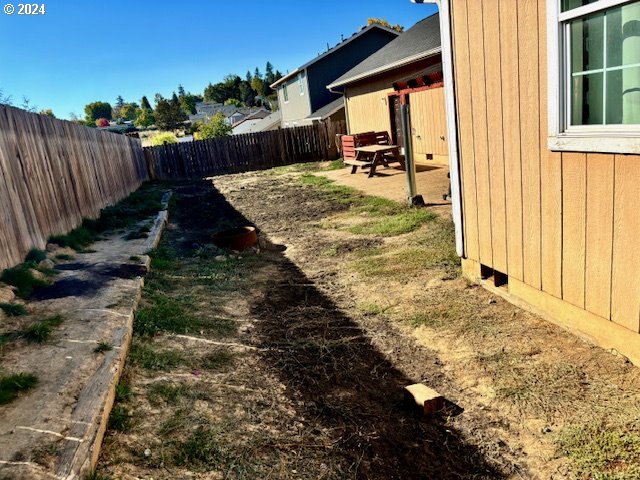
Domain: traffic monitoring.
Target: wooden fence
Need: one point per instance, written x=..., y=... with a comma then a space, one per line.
x=54, y=173
x=243, y=153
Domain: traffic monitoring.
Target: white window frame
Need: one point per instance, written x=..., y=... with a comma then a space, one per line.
x=301, y=83
x=285, y=93
x=583, y=138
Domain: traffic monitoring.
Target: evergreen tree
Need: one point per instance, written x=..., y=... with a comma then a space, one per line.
x=168, y=113
x=118, y=106
x=144, y=104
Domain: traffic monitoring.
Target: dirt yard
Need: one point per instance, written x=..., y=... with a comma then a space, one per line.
x=289, y=362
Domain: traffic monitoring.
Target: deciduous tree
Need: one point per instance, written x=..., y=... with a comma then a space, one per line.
x=145, y=118
x=96, y=110
x=129, y=111
x=384, y=23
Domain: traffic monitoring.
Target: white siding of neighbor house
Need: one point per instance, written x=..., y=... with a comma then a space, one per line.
x=298, y=107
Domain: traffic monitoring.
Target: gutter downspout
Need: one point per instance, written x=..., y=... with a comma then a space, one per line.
x=444, y=9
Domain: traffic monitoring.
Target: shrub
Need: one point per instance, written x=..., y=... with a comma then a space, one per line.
x=102, y=122
x=35, y=255
x=162, y=138
x=216, y=127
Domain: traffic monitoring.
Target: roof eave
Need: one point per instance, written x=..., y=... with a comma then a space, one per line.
x=333, y=49
x=386, y=68
x=285, y=78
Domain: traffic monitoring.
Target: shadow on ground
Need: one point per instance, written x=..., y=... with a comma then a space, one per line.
x=337, y=379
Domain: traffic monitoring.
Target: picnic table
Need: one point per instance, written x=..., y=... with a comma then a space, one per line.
x=369, y=149
x=374, y=155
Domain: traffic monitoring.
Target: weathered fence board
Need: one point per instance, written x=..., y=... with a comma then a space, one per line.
x=243, y=153
x=54, y=173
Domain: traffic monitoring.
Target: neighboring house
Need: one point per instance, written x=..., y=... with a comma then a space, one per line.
x=408, y=70
x=232, y=114
x=544, y=127
x=261, y=121
x=303, y=92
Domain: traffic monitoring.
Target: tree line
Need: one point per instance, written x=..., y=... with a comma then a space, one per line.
x=169, y=113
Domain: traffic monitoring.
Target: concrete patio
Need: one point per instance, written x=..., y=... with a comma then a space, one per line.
x=431, y=181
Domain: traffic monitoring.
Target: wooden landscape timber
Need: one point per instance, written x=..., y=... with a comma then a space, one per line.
x=54, y=173
x=243, y=153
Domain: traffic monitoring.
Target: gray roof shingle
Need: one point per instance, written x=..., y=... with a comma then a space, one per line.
x=343, y=43
x=328, y=110
x=418, y=41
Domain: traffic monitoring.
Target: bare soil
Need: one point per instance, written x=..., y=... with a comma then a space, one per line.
x=317, y=332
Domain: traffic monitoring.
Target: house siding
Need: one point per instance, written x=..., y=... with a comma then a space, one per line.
x=561, y=224
x=297, y=108
x=325, y=71
x=367, y=106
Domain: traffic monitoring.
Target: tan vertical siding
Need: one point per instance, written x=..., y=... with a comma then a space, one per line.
x=625, y=284
x=530, y=139
x=550, y=182
x=367, y=104
x=465, y=129
x=491, y=28
x=574, y=187
x=510, y=86
x=480, y=132
x=428, y=122
x=599, y=243
x=571, y=223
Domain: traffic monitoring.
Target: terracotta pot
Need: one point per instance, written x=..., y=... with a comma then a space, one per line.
x=238, y=239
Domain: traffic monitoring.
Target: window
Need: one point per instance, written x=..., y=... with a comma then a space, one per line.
x=301, y=83
x=285, y=93
x=594, y=75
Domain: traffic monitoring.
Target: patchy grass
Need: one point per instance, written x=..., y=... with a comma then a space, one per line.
x=163, y=259
x=35, y=255
x=12, y=385
x=391, y=226
x=202, y=450
x=162, y=313
x=371, y=308
x=166, y=392
x=382, y=217
x=218, y=360
x=606, y=452
x=134, y=258
x=78, y=239
x=147, y=357
x=93, y=475
x=23, y=278
x=41, y=330
x=64, y=257
x=103, y=347
x=120, y=419
x=13, y=309
x=141, y=232
x=123, y=392
x=308, y=167
x=172, y=394
x=140, y=205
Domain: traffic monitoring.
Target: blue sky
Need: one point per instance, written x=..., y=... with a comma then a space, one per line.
x=82, y=51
